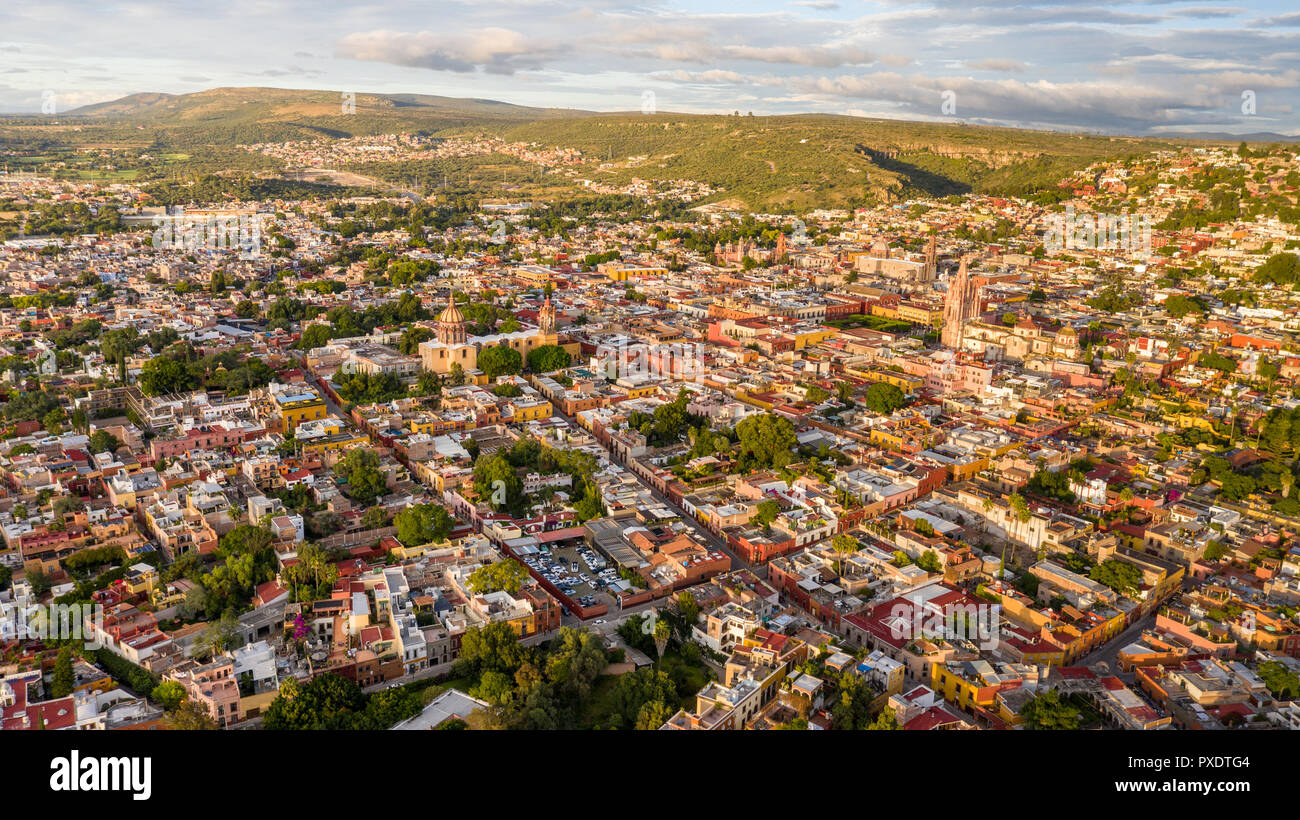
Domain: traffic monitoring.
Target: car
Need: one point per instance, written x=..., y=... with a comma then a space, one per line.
x=600, y=621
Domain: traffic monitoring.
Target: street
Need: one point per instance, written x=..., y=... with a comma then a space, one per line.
x=703, y=532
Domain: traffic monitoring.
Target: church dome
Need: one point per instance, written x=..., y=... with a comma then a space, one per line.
x=451, y=314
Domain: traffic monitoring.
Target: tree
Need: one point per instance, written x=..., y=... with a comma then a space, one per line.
x=374, y=518
x=1280, y=269
x=163, y=374
x=53, y=421
x=929, y=562
x=765, y=441
x=1047, y=711
x=1120, y=576
x=843, y=545
x=662, y=633
x=496, y=481
x=360, y=470
x=887, y=721
x=1282, y=682
x=507, y=574
x=1215, y=550
x=853, y=709
x=655, y=713
x=327, y=699
x=219, y=637
x=766, y=512
x=189, y=716
x=548, y=358
x=1019, y=508
x=423, y=524
x=493, y=647
x=883, y=398
x=314, y=570
x=170, y=694
x=104, y=442
x=500, y=361
x=687, y=605
x=64, y=677
x=246, y=539
x=815, y=394
x=314, y=336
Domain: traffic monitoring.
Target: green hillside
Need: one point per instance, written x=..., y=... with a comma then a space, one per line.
x=781, y=163
x=822, y=160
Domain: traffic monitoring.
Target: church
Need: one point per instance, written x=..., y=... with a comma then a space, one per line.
x=452, y=344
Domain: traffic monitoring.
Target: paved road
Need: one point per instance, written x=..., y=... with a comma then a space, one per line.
x=1109, y=652
x=330, y=405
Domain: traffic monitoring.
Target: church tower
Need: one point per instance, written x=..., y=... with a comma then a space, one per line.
x=546, y=318
x=451, y=324
x=961, y=305
x=931, y=261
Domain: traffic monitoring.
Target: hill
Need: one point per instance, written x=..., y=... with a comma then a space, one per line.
x=779, y=163
x=827, y=160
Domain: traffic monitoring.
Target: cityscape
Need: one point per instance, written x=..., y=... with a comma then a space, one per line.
x=334, y=409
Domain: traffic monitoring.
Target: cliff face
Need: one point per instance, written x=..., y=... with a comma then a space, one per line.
x=991, y=157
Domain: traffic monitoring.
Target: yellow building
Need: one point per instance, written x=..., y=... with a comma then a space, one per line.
x=453, y=345
x=920, y=314
x=621, y=271
x=970, y=684
x=808, y=338
x=295, y=405
x=904, y=382
x=334, y=441
x=530, y=410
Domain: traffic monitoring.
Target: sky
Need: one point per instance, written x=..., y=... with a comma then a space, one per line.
x=1108, y=67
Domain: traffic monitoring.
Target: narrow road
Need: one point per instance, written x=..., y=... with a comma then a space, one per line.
x=1109, y=651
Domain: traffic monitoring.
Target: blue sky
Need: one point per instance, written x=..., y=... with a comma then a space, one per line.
x=1115, y=67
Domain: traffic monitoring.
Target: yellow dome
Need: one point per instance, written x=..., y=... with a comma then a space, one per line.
x=451, y=315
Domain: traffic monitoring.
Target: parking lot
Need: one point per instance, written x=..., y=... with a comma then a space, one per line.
x=577, y=571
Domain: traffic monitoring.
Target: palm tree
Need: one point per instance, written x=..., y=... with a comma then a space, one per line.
x=843, y=544
x=662, y=632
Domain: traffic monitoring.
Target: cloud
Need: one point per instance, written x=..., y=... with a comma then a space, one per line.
x=718, y=76
x=492, y=49
x=1087, y=104
x=1280, y=21
x=820, y=56
x=998, y=64
x=1206, y=11
x=820, y=5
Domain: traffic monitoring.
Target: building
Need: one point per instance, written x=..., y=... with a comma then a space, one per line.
x=961, y=306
